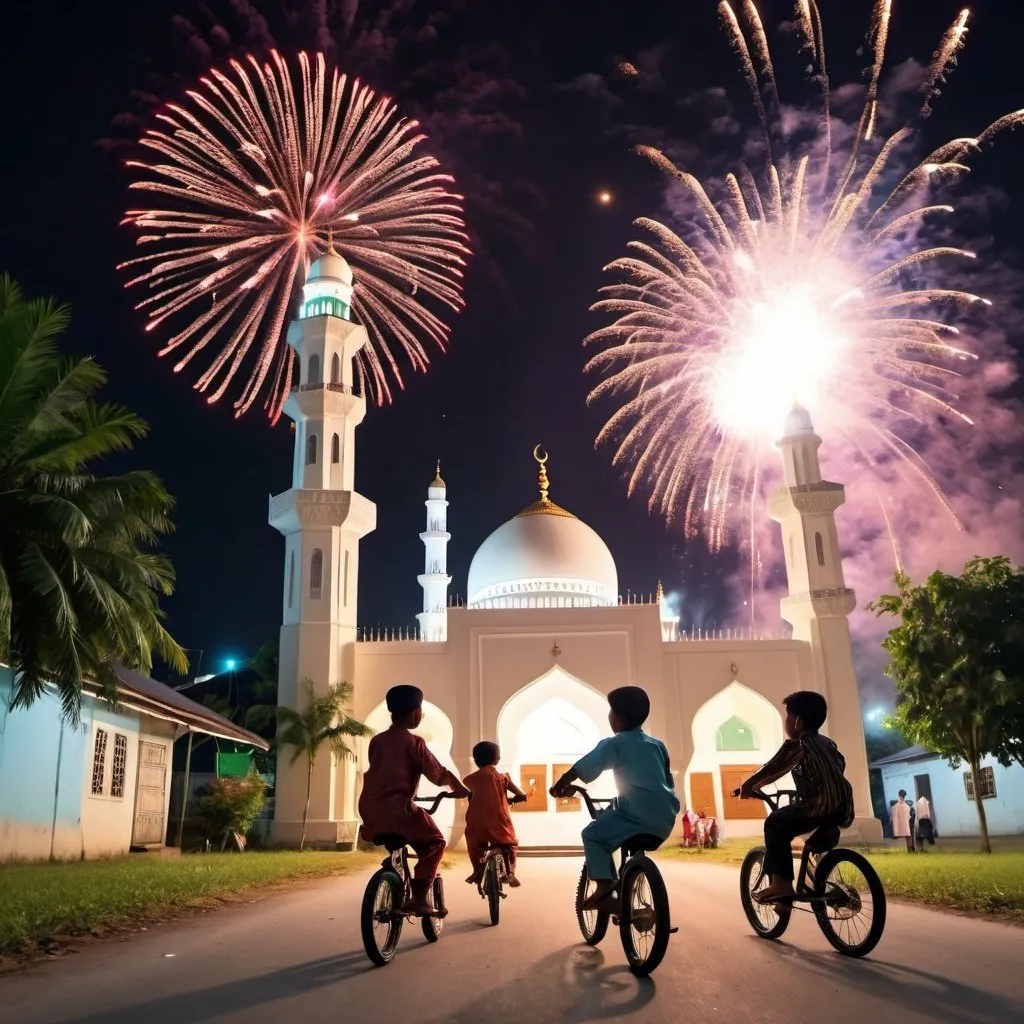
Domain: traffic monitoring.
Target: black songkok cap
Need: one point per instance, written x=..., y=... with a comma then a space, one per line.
x=404, y=698
x=632, y=703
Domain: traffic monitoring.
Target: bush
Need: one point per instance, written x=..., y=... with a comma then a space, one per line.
x=229, y=807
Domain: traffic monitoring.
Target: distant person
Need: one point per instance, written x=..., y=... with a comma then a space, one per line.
x=824, y=796
x=488, y=822
x=397, y=761
x=647, y=799
x=925, y=826
x=902, y=821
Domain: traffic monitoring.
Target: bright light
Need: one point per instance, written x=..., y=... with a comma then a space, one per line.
x=604, y=198
x=231, y=663
x=874, y=714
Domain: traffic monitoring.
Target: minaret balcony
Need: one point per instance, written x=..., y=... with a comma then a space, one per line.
x=806, y=499
x=295, y=509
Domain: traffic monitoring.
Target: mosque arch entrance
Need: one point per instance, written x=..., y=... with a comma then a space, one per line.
x=734, y=733
x=542, y=730
x=436, y=729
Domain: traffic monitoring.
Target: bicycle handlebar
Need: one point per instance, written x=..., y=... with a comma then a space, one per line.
x=771, y=799
x=590, y=801
x=434, y=801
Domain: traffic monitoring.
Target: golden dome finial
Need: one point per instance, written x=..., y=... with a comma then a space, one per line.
x=330, y=242
x=438, y=482
x=542, y=476
x=660, y=595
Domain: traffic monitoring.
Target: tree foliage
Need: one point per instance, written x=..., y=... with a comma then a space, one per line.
x=324, y=721
x=79, y=585
x=227, y=807
x=957, y=659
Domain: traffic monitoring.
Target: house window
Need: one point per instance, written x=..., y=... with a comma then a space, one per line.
x=335, y=449
x=335, y=369
x=316, y=574
x=120, y=766
x=99, y=761
x=311, y=450
x=819, y=548
x=987, y=783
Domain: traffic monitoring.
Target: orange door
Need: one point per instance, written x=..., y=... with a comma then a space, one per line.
x=564, y=803
x=702, y=794
x=533, y=781
x=733, y=776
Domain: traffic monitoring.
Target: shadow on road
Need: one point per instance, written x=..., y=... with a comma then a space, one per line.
x=934, y=996
x=570, y=986
x=244, y=994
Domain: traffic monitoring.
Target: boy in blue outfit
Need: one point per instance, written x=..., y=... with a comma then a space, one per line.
x=647, y=800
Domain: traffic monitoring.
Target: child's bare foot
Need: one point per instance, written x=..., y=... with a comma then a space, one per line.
x=512, y=880
x=473, y=879
x=604, y=888
x=774, y=892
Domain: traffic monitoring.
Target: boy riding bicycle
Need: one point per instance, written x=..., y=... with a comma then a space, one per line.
x=824, y=796
x=397, y=761
x=488, y=822
x=647, y=801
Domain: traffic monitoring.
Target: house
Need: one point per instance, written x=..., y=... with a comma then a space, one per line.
x=951, y=791
x=99, y=788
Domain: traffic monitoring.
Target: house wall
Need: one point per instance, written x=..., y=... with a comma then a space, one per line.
x=954, y=814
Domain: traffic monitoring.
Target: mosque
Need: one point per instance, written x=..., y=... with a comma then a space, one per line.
x=544, y=634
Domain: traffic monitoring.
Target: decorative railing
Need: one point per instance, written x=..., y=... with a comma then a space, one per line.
x=675, y=633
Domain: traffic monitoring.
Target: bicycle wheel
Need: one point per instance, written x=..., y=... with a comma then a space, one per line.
x=593, y=923
x=432, y=925
x=767, y=919
x=644, y=922
x=379, y=920
x=849, y=902
x=492, y=886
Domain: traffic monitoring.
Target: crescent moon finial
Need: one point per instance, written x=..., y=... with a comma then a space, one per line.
x=542, y=476
x=540, y=455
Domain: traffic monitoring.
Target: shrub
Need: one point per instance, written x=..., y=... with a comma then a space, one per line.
x=229, y=807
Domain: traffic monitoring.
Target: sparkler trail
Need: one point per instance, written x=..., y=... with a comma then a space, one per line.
x=250, y=177
x=813, y=284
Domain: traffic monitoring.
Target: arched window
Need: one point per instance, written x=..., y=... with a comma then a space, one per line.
x=314, y=370
x=316, y=574
x=819, y=548
x=335, y=449
x=311, y=450
x=291, y=579
x=735, y=734
x=335, y=369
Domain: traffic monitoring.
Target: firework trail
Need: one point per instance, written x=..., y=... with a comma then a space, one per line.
x=812, y=286
x=250, y=178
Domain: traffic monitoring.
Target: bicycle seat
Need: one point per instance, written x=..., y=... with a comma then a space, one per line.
x=822, y=839
x=390, y=840
x=642, y=842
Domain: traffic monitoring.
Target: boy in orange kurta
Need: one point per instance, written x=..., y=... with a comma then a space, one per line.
x=488, y=822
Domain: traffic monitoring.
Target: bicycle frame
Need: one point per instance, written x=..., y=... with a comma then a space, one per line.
x=398, y=859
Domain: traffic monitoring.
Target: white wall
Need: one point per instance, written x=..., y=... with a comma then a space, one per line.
x=954, y=814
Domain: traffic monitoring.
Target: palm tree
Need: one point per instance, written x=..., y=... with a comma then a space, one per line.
x=325, y=719
x=78, y=586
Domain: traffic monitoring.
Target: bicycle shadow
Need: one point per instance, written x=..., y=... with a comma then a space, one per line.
x=571, y=985
x=935, y=996
x=243, y=994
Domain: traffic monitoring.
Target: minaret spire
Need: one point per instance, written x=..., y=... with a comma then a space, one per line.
x=435, y=580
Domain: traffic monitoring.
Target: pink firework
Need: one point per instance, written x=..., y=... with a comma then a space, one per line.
x=253, y=175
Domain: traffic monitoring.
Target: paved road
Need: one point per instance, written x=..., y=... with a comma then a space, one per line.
x=298, y=956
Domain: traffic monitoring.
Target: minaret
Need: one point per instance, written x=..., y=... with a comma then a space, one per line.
x=819, y=602
x=669, y=619
x=433, y=619
x=322, y=519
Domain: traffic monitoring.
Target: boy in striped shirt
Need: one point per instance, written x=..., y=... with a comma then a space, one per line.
x=824, y=796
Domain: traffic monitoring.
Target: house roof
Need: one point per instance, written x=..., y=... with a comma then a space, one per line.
x=909, y=754
x=150, y=697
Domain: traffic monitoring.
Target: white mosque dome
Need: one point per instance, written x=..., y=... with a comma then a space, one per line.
x=543, y=558
x=798, y=422
x=330, y=266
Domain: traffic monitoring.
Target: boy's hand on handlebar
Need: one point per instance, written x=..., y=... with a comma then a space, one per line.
x=561, y=789
x=460, y=792
x=519, y=800
x=745, y=792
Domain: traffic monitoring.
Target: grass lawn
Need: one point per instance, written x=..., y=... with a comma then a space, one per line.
x=42, y=902
x=952, y=874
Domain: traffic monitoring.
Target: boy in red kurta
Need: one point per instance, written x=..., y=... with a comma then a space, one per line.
x=397, y=760
x=488, y=821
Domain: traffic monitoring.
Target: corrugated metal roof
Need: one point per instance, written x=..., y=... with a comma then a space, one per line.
x=910, y=754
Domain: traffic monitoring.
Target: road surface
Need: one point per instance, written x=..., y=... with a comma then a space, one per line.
x=297, y=956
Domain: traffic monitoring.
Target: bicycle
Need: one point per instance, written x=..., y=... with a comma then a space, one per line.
x=492, y=878
x=381, y=917
x=834, y=898
x=640, y=907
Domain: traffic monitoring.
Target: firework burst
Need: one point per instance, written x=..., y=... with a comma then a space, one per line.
x=251, y=177
x=811, y=282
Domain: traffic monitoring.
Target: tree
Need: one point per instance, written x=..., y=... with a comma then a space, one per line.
x=957, y=658
x=79, y=588
x=229, y=807
x=324, y=720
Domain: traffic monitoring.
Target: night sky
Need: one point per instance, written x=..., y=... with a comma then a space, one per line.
x=524, y=106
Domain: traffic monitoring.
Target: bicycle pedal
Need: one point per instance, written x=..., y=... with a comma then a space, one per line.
x=672, y=931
